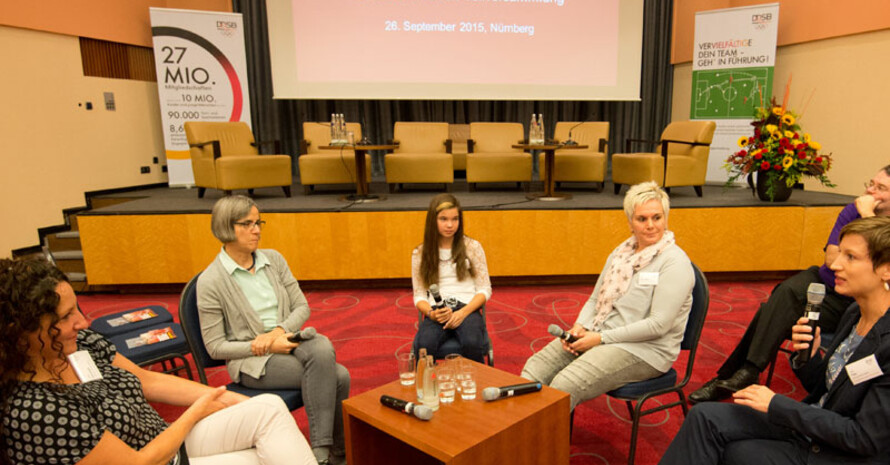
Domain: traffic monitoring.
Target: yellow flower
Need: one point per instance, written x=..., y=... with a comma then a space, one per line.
x=815, y=145
x=743, y=141
x=787, y=162
x=788, y=119
x=776, y=135
x=778, y=111
x=796, y=142
x=771, y=128
x=806, y=137
x=789, y=134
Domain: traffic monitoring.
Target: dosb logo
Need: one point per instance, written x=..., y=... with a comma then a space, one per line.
x=760, y=21
x=227, y=28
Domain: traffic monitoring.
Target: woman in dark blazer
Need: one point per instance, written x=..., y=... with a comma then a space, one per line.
x=846, y=416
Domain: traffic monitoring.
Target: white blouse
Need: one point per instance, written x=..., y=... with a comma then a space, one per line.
x=449, y=286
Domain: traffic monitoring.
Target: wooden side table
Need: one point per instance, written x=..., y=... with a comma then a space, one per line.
x=361, y=184
x=549, y=193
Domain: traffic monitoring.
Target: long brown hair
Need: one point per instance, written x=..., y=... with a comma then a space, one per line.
x=429, y=258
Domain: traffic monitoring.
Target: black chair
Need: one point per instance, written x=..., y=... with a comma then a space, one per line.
x=667, y=383
x=827, y=339
x=451, y=344
x=188, y=318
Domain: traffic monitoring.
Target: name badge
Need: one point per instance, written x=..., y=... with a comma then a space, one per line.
x=84, y=366
x=864, y=369
x=649, y=278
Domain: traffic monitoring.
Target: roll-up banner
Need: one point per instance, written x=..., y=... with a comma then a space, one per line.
x=202, y=76
x=732, y=68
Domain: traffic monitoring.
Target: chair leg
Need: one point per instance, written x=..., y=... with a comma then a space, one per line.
x=698, y=190
x=448, y=186
x=228, y=193
x=667, y=190
x=307, y=189
x=632, y=452
x=571, y=424
x=772, y=368
x=392, y=188
x=286, y=190
x=617, y=188
x=250, y=192
x=601, y=186
x=471, y=186
x=201, y=191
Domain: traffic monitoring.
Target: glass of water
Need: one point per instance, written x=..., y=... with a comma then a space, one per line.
x=406, y=368
x=468, y=382
x=445, y=378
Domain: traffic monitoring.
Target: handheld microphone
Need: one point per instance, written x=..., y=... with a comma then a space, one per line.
x=560, y=333
x=495, y=393
x=815, y=296
x=437, y=298
x=419, y=411
x=304, y=335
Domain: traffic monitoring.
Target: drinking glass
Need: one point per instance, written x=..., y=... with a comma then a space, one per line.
x=445, y=378
x=406, y=368
x=468, y=382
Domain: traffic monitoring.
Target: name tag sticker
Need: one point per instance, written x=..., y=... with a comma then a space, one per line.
x=84, y=366
x=864, y=369
x=649, y=278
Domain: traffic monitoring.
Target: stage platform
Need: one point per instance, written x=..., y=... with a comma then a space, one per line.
x=163, y=235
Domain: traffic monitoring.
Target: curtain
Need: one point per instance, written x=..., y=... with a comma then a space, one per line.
x=283, y=119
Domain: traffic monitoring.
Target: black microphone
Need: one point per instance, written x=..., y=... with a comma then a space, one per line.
x=815, y=295
x=437, y=299
x=561, y=334
x=569, y=141
x=304, y=335
x=420, y=411
x=495, y=393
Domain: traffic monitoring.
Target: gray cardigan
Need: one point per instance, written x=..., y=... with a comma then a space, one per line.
x=229, y=323
x=649, y=320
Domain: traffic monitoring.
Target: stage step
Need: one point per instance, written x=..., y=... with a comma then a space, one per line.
x=64, y=250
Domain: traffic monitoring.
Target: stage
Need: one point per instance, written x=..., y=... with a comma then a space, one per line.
x=163, y=235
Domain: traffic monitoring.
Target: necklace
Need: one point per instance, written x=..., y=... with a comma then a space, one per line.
x=253, y=262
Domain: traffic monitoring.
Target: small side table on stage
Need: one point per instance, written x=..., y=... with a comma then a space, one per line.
x=523, y=430
x=361, y=184
x=549, y=165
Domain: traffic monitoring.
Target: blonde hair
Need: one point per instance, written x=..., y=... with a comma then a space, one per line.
x=642, y=193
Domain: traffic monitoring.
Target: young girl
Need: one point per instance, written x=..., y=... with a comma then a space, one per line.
x=456, y=264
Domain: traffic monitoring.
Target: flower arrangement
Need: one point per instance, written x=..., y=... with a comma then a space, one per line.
x=779, y=150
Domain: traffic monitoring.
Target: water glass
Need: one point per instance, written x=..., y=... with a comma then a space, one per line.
x=406, y=368
x=467, y=382
x=445, y=378
x=453, y=361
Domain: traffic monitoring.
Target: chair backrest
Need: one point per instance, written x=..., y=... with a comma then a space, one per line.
x=697, y=314
x=318, y=134
x=191, y=326
x=701, y=132
x=420, y=137
x=588, y=133
x=235, y=138
x=495, y=137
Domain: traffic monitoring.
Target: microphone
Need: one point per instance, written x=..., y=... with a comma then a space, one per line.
x=495, y=393
x=437, y=299
x=420, y=411
x=815, y=295
x=303, y=335
x=560, y=333
x=569, y=141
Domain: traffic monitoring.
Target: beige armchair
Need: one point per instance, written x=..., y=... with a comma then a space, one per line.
x=492, y=158
x=421, y=157
x=680, y=159
x=580, y=165
x=225, y=156
x=327, y=166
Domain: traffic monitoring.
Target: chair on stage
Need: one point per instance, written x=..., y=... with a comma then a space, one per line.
x=225, y=156
x=491, y=157
x=421, y=157
x=580, y=165
x=452, y=346
x=327, y=166
x=680, y=158
x=191, y=325
x=642, y=391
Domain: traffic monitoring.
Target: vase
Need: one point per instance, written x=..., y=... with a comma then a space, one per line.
x=781, y=191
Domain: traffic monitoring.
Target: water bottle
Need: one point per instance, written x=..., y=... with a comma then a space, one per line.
x=430, y=386
x=418, y=373
x=333, y=128
x=342, y=132
x=532, y=131
x=541, y=138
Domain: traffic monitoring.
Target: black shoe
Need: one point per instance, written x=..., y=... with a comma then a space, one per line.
x=708, y=393
x=742, y=378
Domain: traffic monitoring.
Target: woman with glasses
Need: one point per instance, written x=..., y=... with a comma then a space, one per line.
x=249, y=303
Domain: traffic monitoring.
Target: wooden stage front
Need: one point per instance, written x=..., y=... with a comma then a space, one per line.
x=163, y=235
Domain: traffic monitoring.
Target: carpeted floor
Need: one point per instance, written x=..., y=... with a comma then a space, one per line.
x=368, y=327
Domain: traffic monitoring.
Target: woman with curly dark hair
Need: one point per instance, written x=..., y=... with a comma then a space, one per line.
x=66, y=396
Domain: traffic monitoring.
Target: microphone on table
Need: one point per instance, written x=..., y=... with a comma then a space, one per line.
x=420, y=411
x=495, y=393
x=815, y=296
x=304, y=335
x=569, y=141
x=437, y=298
x=560, y=333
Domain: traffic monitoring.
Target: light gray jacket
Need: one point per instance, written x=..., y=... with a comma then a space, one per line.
x=229, y=323
x=649, y=320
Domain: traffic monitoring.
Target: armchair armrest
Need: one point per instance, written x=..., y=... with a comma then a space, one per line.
x=666, y=142
x=630, y=140
x=470, y=144
x=602, y=145
x=217, y=152
x=304, y=146
x=449, y=145
x=276, y=145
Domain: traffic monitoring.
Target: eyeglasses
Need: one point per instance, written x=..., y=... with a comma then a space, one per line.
x=250, y=224
x=878, y=187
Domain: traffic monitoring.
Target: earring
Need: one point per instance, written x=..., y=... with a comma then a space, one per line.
x=886, y=286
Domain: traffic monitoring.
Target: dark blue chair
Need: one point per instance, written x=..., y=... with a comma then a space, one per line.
x=827, y=339
x=188, y=317
x=170, y=354
x=667, y=383
x=452, y=345
x=108, y=327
